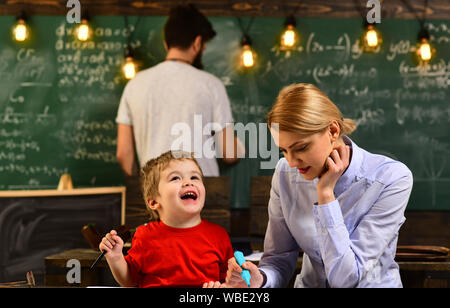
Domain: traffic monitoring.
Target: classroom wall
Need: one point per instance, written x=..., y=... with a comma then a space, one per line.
x=59, y=97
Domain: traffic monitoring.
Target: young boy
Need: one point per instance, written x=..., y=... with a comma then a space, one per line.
x=179, y=249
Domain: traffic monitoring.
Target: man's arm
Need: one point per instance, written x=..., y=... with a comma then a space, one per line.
x=125, y=149
x=229, y=147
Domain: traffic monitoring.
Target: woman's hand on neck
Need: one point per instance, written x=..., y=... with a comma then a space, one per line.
x=336, y=164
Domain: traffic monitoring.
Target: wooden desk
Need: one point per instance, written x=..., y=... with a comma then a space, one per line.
x=425, y=274
x=56, y=270
x=414, y=274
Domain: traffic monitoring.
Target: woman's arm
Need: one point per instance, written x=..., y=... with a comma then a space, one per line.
x=280, y=249
x=350, y=258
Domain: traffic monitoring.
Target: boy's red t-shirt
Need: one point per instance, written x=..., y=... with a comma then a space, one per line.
x=163, y=256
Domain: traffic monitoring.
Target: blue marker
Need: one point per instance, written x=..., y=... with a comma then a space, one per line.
x=239, y=256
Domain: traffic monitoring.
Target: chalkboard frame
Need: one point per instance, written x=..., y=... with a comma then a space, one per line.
x=45, y=222
x=71, y=192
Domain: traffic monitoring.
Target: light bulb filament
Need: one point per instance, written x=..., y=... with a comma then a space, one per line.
x=247, y=56
x=372, y=38
x=129, y=68
x=425, y=51
x=289, y=37
x=20, y=31
x=83, y=31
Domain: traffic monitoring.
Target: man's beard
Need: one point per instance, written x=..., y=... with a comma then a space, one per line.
x=197, y=63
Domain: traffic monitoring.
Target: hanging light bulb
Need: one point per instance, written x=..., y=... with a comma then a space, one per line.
x=372, y=37
x=248, y=56
x=21, y=30
x=129, y=68
x=289, y=37
x=425, y=51
x=83, y=31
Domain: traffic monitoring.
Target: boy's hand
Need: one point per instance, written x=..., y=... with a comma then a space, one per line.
x=234, y=279
x=214, y=284
x=112, y=244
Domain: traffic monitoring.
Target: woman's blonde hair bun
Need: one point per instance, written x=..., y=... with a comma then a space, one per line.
x=304, y=109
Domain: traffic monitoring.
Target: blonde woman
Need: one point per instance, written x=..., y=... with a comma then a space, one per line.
x=340, y=204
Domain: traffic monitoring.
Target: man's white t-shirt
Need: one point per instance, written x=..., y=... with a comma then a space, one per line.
x=174, y=106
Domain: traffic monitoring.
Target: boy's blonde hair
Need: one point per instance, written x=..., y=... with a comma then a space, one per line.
x=151, y=175
x=303, y=109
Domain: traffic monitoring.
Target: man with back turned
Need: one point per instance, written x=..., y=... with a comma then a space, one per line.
x=175, y=91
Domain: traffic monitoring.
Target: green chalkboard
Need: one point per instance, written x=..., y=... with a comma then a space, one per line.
x=59, y=97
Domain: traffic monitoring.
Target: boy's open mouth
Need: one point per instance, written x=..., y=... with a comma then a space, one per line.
x=189, y=195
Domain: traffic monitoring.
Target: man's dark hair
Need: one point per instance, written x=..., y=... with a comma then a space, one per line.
x=185, y=23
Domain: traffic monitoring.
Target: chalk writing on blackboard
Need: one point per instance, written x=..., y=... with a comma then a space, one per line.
x=30, y=170
x=59, y=98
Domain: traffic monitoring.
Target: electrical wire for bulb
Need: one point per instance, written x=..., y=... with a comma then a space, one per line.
x=241, y=26
x=420, y=20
